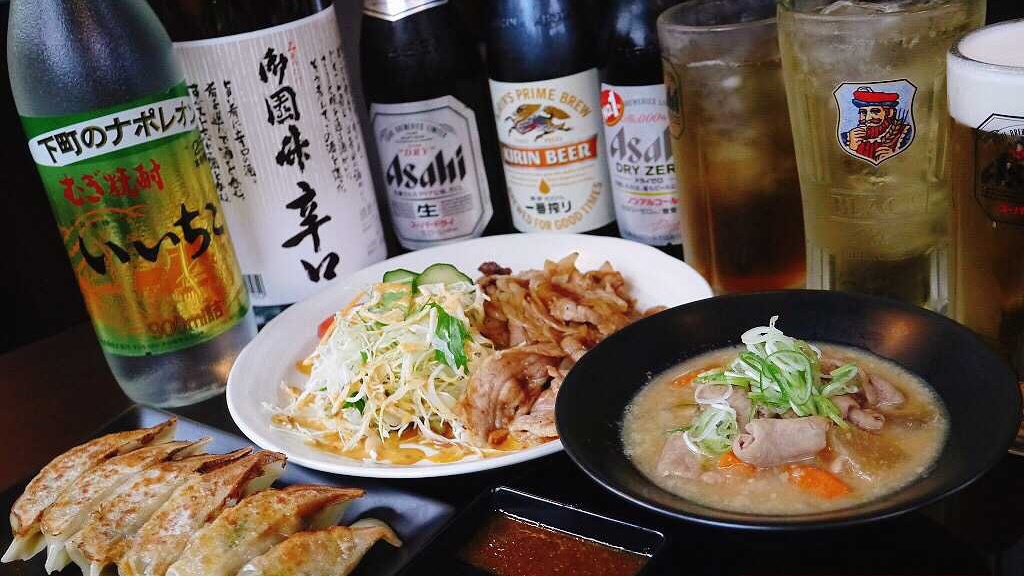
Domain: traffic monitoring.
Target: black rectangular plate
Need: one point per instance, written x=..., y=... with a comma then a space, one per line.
x=416, y=519
x=441, y=556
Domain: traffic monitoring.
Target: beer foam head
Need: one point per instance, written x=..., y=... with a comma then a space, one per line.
x=986, y=74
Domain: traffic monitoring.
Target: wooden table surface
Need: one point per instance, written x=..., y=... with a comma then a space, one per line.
x=57, y=392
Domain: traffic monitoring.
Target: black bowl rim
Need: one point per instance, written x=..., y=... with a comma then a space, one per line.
x=496, y=491
x=797, y=523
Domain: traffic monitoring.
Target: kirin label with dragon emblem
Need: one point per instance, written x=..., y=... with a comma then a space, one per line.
x=552, y=147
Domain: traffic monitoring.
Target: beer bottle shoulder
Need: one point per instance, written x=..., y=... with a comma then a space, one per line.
x=538, y=40
x=633, y=53
x=417, y=57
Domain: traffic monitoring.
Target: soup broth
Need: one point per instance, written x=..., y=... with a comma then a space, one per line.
x=855, y=466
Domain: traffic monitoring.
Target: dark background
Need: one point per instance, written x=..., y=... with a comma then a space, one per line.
x=38, y=293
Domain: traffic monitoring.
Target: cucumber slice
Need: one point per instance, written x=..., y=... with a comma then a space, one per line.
x=441, y=274
x=398, y=295
x=400, y=276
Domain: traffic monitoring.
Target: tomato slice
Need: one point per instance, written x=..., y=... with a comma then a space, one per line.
x=324, y=326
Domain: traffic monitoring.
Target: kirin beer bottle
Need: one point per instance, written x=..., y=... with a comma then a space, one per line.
x=636, y=127
x=431, y=120
x=114, y=134
x=278, y=114
x=545, y=90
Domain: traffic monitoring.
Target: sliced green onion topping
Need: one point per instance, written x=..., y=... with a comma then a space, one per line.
x=841, y=381
x=785, y=374
x=780, y=373
x=713, y=430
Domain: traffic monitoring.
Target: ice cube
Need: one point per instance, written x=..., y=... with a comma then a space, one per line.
x=870, y=7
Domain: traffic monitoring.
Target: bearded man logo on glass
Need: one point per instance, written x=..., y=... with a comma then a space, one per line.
x=882, y=129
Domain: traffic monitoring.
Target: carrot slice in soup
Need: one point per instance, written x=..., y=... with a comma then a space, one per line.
x=685, y=380
x=730, y=461
x=817, y=481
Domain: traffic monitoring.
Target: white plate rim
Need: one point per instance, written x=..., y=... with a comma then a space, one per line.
x=326, y=462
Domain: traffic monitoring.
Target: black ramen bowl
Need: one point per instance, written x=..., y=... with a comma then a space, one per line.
x=977, y=386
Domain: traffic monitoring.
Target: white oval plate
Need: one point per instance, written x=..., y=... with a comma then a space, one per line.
x=654, y=279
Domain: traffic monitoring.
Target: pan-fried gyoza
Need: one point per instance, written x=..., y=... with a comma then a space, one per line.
x=102, y=541
x=60, y=474
x=782, y=426
x=257, y=524
x=326, y=552
x=159, y=541
x=153, y=506
x=71, y=511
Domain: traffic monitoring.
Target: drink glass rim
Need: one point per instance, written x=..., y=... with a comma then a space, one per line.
x=663, y=21
x=784, y=5
x=956, y=53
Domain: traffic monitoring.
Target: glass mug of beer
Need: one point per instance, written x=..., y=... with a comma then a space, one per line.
x=867, y=96
x=986, y=103
x=739, y=191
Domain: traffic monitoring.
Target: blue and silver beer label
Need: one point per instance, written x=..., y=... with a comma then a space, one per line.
x=433, y=170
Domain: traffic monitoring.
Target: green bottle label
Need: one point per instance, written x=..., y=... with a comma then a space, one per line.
x=139, y=215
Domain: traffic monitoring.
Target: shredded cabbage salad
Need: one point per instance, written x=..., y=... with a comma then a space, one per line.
x=397, y=360
x=781, y=373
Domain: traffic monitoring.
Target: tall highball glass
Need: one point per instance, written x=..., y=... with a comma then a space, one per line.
x=740, y=196
x=866, y=83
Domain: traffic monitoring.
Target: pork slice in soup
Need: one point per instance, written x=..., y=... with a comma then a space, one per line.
x=861, y=428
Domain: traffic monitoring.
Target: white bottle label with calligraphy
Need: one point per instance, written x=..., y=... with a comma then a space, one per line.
x=552, y=146
x=433, y=170
x=643, y=172
x=277, y=114
x=395, y=10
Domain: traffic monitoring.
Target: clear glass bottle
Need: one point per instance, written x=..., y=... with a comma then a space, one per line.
x=100, y=94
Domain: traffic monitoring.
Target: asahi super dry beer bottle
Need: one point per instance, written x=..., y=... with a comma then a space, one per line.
x=430, y=117
x=636, y=127
x=546, y=91
x=277, y=110
x=114, y=134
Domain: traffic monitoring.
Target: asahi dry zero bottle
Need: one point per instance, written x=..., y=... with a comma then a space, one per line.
x=636, y=127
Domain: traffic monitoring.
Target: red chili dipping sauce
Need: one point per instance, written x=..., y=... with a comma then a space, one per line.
x=508, y=546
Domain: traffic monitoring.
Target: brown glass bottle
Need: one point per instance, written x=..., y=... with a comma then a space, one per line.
x=635, y=114
x=542, y=64
x=431, y=120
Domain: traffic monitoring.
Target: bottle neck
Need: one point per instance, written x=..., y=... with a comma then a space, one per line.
x=72, y=56
x=537, y=40
x=416, y=57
